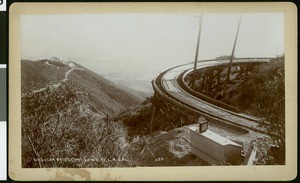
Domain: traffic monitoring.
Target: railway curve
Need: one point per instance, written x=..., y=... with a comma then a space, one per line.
x=170, y=87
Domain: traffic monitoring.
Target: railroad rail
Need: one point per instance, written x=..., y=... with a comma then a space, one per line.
x=170, y=87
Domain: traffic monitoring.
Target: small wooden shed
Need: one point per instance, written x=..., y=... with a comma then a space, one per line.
x=213, y=148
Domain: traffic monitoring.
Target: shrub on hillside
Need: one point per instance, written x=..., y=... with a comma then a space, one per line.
x=59, y=130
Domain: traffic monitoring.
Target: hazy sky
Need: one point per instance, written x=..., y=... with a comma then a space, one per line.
x=142, y=45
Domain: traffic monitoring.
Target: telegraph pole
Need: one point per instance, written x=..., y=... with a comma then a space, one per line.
x=197, y=49
x=232, y=54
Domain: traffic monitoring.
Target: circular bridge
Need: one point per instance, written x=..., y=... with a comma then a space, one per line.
x=171, y=87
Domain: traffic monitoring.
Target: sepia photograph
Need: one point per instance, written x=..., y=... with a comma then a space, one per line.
x=162, y=89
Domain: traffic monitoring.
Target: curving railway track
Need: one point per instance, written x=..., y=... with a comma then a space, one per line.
x=170, y=86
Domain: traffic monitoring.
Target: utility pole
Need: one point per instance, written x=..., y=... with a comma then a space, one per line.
x=197, y=50
x=232, y=54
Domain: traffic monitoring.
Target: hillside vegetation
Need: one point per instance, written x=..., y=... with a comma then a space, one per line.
x=60, y=130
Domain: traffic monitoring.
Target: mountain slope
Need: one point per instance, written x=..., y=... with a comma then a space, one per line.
x=64, y=109
x=97, y=91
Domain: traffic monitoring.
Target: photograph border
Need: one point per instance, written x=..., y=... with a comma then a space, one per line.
x=203, y=173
